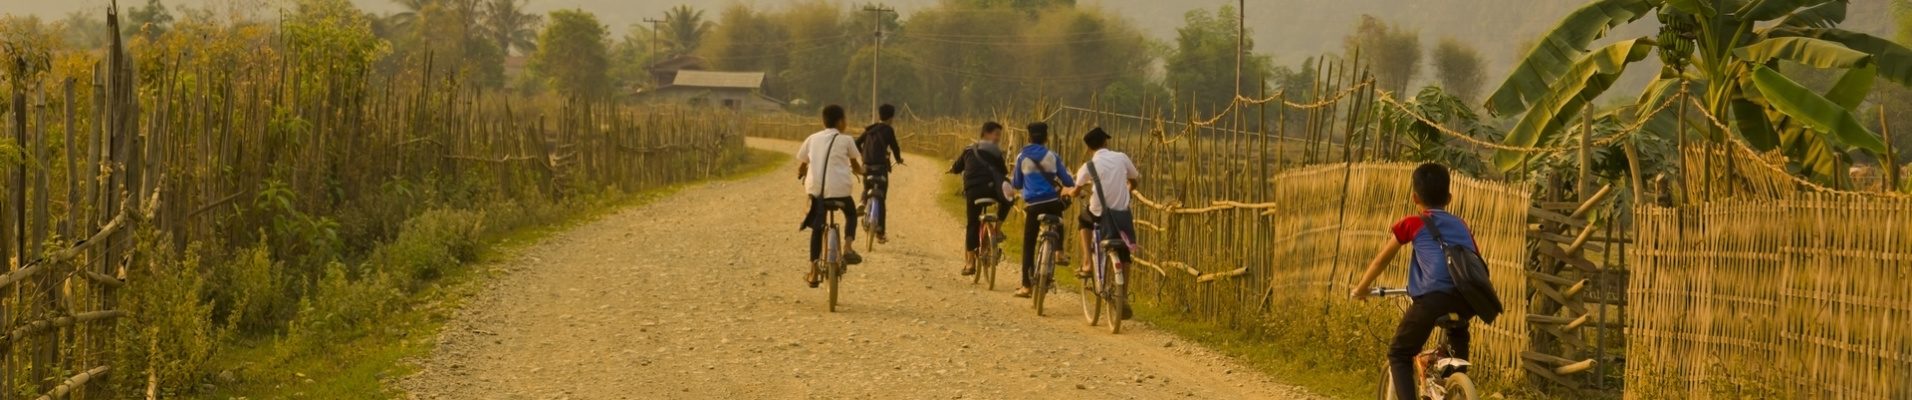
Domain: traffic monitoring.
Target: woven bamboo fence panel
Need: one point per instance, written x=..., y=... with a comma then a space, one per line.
x=1327, y=223
x=1800, y=297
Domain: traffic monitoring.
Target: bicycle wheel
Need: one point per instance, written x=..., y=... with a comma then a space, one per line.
x=1460, y=387
x=982, y=253
x=1045, y=266
x=1115, y=292
x=869, y=223
x=995, y=257
x=1386, y=391
x=833, y=270
x=1092, y=301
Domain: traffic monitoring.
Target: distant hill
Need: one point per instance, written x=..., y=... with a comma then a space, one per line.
x=1290, y=29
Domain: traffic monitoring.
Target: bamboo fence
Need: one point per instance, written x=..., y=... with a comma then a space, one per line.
x=181, y=142
x=1768, y=288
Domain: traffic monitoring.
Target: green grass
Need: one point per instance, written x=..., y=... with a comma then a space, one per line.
x=362, y=366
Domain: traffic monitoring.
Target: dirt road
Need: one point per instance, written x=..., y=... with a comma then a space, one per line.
x=699, y=296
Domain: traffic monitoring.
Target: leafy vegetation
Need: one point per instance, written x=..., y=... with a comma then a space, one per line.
x=1727, y=51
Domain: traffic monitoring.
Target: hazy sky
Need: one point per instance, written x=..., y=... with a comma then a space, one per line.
x=1289, y=29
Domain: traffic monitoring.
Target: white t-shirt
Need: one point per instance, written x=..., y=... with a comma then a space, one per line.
x=835, y=149
x=1116, y=170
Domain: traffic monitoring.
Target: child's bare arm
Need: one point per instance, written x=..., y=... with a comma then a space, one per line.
x=1375, y=268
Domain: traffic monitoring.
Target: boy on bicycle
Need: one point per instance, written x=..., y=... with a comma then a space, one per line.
x=1039, y=174
x=1428, y=282
x=877, y=144
x=1113, y=175
x=984, y=177
x=827, y=162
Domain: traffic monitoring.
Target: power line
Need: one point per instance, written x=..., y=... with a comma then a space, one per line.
x=1006, y=43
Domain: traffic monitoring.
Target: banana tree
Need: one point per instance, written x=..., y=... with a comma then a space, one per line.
x=1728, y=53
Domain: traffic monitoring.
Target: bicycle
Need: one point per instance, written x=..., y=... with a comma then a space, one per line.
x=1108, y=282
x=1048, y=247
x=831, y=267
x=873, y=202
x=989, y=250
x=1441, y=375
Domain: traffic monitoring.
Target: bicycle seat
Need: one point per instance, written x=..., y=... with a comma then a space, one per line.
x=990, y=218
x=876, y=178
x=1050, y=219
x=1450, y=321
x=836, y=205
x=1113, y=243
x=985, y=202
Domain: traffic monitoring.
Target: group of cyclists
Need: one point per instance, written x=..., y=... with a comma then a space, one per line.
x=830, y=160
x=1038, y=176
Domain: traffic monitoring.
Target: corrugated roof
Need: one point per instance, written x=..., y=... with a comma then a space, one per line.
x=708, y=79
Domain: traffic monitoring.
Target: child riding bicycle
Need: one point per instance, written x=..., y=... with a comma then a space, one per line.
x=877, y=145
x=1039, y=174
x=827, y=162
x=982, y=168
x=1429, y=282
x=1112, y=175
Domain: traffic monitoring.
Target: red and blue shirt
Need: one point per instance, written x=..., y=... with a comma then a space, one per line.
x=1429, y=272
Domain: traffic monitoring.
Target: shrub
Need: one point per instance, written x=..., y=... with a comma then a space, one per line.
x=340, y=306
x=171, y=335
x=249, y=290
x=429, y=244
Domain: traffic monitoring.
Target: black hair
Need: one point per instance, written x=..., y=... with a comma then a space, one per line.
x=886, y=112
x=1430, y=183
x=991, y=126
x=1096, y=139
x=832, y=115
x=1038, y=133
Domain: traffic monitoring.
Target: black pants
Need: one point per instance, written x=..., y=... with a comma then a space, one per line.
x=1032, y=227
x=848, y=207
x=1416, y=326
x=973, y=214
x=878, y=186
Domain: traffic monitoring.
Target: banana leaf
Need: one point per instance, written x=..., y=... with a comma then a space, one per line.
x=1588, y=78
x=1701, y=8
x=1767, y=10
x=1895, y=60
x=1813, y=110
x=1811, y=52
x=1827, y=15
x=1547, y=63
x=1750, y=117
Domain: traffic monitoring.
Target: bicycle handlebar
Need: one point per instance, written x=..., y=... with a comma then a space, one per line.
x=1383, y=291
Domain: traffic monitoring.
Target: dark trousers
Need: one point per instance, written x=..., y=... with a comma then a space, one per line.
x=1416, y=326
x=1032, y=227
x=848, y=207
x=973, y=215
x=878, y=186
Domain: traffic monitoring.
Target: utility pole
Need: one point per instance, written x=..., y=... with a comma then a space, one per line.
x=1241, y=41
x=876, y=18
x=654, y=23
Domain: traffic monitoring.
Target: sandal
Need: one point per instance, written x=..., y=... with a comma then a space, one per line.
x=812, y=278
x=1023, y=292
x=967, y=271
x=851, y=258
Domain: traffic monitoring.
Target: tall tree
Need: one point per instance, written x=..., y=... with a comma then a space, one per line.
x=571, y=54
x=1393, y=53
x=402, y=20
x=1460, y=69
x=685, y=29
x=749, y=40
x=1203, y=64
x=630, y=58
x=153, y=19
x=510, y=26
